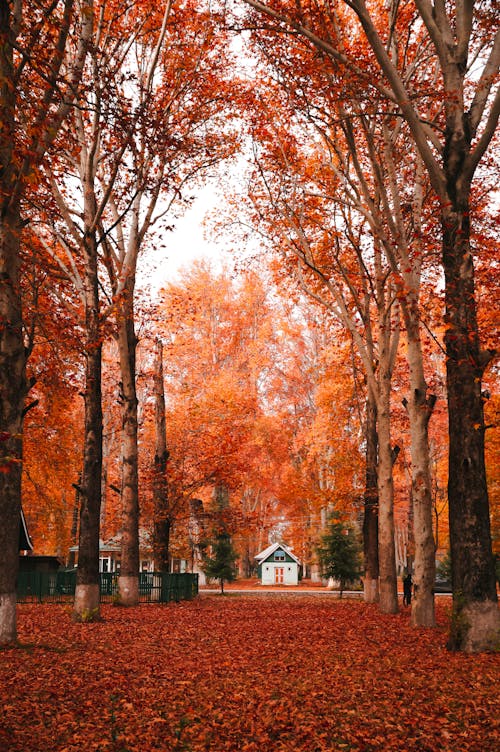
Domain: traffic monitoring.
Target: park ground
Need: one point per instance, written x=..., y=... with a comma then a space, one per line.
x=244, y=673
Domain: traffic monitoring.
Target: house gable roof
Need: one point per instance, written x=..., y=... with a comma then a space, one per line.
x=267, y=552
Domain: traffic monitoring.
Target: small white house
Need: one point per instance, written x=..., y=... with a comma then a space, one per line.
x=277, y=565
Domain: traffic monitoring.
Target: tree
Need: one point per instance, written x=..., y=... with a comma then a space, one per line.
x=339, y=553
x=220, y=563
x=326, y=247
x=152, y=122
x=365, y=166
x=370, y=518
x=463, y=42
x=40, y=69
x=161, y=517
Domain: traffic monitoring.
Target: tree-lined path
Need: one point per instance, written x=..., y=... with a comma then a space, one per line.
x=341, y=366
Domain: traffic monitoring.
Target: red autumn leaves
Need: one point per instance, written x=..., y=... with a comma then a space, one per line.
x=243, y=673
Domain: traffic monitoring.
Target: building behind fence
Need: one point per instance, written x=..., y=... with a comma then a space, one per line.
x=59, y=587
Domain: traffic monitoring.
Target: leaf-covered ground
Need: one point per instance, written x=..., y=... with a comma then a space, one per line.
x=243, y=673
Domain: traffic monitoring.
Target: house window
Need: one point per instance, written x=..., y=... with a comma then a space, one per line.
x=279, y=556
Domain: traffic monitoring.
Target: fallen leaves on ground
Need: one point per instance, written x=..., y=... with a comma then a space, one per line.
x=243, y=673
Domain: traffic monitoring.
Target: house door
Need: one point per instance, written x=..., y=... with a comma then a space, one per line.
x=279, y=575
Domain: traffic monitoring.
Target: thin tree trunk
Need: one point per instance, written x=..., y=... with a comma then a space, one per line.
x=388, y=341
x=128, y=581
x=86, y=604
x=420, y=408
x=161, y=537
x=387, y=550
x=370, y=521
x=74, y=523
x=475, y=623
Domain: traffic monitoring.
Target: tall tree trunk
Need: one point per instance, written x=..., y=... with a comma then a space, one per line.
x=370, y=521
x=475, y=623
x=387, y=549
x=13, y=388
x=420, y=408
x=388, y=341
x=128, y=581
x=86, y=605
x=107, y=447
x=161, y=536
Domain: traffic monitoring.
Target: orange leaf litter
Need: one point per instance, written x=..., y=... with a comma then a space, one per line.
x=244, y=673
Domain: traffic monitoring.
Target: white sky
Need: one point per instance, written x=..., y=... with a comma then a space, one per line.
x=184, y=244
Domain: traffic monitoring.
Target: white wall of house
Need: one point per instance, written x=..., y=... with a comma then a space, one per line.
x=280, y=573
x=107, y=563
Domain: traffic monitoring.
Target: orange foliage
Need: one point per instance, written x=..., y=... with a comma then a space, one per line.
x=53, y=463
x=52, y=427
x=252, y=404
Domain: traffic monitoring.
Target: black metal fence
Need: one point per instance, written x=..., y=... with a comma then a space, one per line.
x=59, y=587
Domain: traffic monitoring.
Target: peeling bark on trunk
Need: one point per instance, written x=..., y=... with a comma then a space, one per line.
x=128, y=581
x=161, y=538
x=86, y=604
x=420, y=408
x=370, y=521
x=387, y=549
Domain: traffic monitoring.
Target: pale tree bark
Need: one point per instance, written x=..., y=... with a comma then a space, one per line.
x=81, y=266
x=407, y=271
x=420, y=407
x=388, y=339
x=24, y=141
x=128, y=580
x=371, y=185
x=476, y=622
